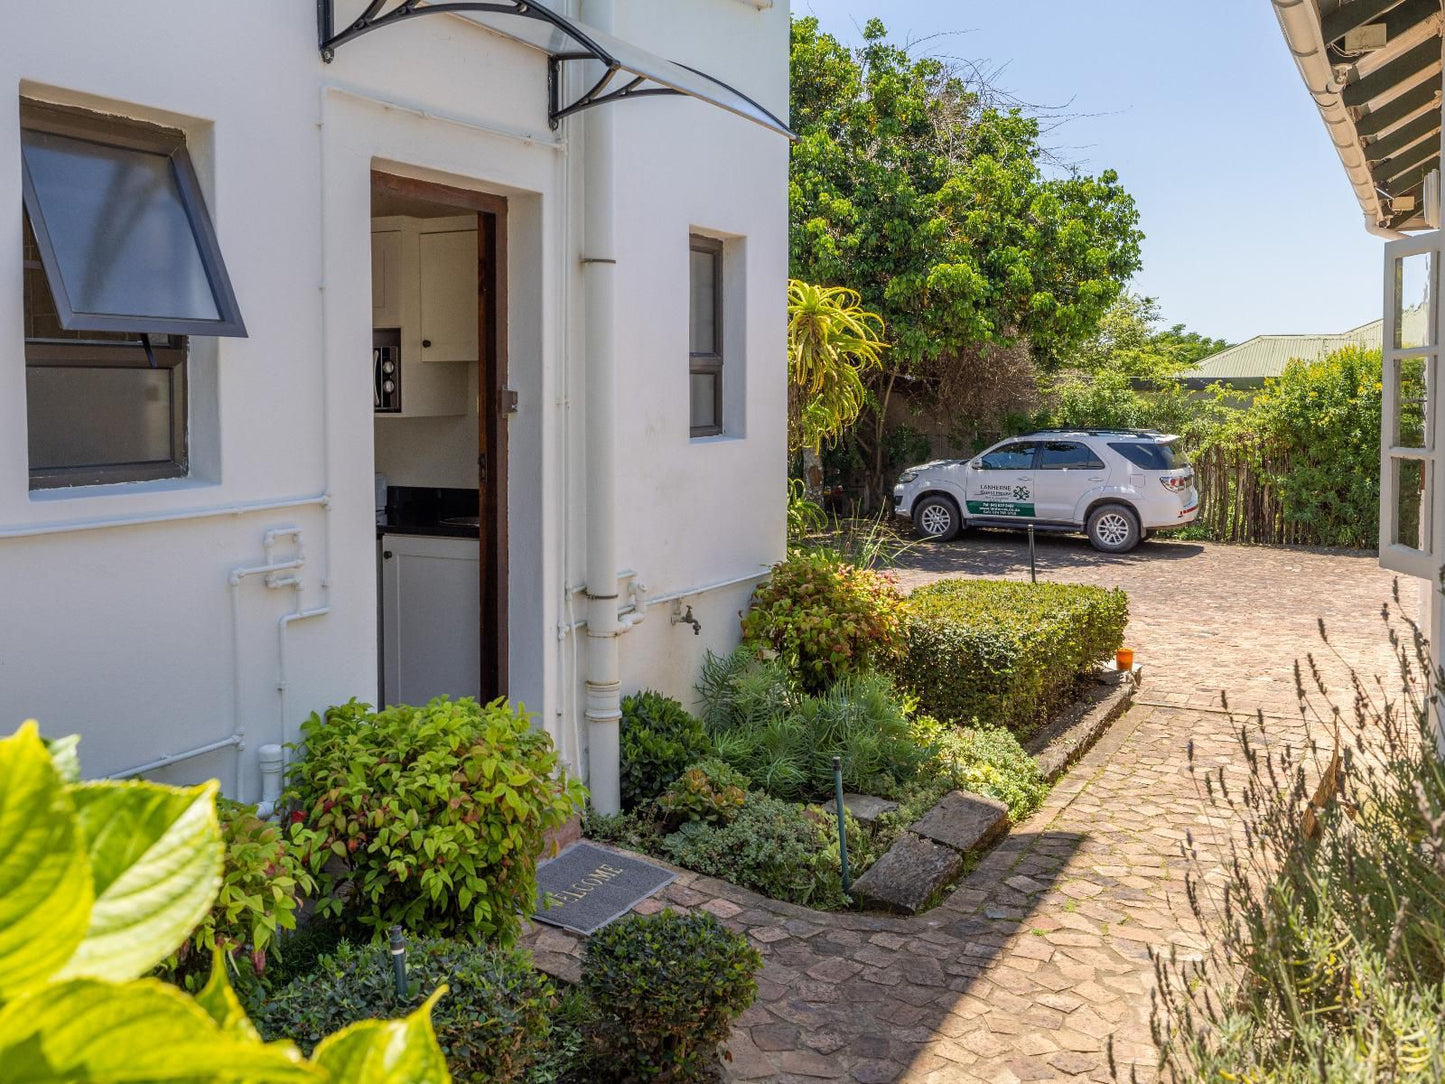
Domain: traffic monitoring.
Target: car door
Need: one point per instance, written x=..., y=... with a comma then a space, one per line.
x=1001, y=482
x=1067, y=469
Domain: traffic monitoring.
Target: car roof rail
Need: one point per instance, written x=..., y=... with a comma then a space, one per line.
x=1110, y=432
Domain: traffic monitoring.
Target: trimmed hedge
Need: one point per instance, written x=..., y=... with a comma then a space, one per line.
x=1002, y=653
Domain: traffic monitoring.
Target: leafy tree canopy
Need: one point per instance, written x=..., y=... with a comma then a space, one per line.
x=912, y=187
x=1129, y=341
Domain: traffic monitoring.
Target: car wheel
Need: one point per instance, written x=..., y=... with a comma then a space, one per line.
x=1114, y=528
x=937, y=518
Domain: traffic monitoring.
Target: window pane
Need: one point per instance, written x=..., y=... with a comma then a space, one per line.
x=122, y=238
x=704, y=302
x=1412, y=384
x=704, y=390
x=1017, y=456
x=83, y=417
x=1060, y=455
x=1412, y=524
x=1151, y=456
x=1414, y=283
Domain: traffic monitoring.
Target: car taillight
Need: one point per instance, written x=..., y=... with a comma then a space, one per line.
x=1177, y=483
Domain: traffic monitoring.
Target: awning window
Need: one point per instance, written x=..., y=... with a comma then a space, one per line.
x=628, y=72
x=124, y=237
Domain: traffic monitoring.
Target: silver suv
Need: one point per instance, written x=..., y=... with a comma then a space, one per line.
x=1118, y=486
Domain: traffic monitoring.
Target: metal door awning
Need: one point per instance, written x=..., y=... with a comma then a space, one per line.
x=628, y=72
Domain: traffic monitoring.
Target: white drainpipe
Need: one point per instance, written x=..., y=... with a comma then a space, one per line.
x=603, y=709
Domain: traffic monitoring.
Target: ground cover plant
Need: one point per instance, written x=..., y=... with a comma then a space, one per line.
x=491, y=1025
x=1003, y=653
x=432, y=818
x=1328, y=965
x=98, y=884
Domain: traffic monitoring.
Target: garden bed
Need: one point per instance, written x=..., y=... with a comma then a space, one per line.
x=924, y=702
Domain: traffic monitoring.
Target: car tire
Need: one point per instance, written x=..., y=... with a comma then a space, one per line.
x=1114, y=528
x=937, y=518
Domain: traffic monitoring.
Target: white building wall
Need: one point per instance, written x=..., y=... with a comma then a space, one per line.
x=131, y=632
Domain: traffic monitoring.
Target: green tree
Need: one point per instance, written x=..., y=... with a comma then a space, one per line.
x=909, y=186
x=833, y=346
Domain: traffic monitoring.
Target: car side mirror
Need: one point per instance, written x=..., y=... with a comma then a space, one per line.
x=974, y=464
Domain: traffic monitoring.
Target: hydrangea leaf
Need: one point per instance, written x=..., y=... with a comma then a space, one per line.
x=387, y=1051
x=45, y=886
x=147, y=1030
x=155, y=859
x=221, y=1003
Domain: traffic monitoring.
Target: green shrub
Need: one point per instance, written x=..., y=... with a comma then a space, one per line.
x=785, y=740
x=101, y=881
x=430, y=817
x=783, y=850
x=665, y=989
x=824, y=618
x=636, y=831
x=490, y=1024
x=301, y=951
x=710, y=791
x=659, y=740
x=261, y=884
x=1004, y=653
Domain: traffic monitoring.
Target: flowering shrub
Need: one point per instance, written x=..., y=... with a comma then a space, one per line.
x=435, y=816
x=825, y=618
x=260, y=888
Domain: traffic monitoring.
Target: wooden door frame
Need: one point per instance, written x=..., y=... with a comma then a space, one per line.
x=492, y=408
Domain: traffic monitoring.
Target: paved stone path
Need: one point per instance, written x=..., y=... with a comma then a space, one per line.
x=1041, y=955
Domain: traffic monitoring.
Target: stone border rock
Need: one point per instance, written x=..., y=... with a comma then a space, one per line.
x=1068, y=737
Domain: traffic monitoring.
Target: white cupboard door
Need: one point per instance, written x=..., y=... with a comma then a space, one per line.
x=386, y=279
x=449, y=301
x=431, y=613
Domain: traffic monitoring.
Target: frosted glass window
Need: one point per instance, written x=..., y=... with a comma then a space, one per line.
x=81, y=417
x=124, y=236
x=704, y=302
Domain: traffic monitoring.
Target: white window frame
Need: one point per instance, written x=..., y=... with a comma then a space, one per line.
x=1423, y=562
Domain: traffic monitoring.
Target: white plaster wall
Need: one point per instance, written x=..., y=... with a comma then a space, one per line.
x=125, y=633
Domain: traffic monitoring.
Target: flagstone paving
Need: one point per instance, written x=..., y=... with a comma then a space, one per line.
x=1042, y=953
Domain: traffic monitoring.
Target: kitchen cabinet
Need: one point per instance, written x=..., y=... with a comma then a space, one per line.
x=449, y=302
x=386, y=279
x=424, y=283
x=431, y=618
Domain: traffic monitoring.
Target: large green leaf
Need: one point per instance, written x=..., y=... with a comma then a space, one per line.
x=45, y=887
x=387, y=1051
x=155, y=859
x=104, y=1033
x=220, y=1001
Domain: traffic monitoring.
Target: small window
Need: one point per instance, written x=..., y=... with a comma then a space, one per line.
x=1150, y=456
x=1066, y=455
x=119, y=264
x=705, y=327
x=122, y=232
x=1016, y=456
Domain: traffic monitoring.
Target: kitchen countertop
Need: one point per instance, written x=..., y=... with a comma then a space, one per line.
x=428, y=530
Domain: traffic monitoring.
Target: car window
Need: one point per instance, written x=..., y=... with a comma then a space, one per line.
x=1150, y=456
x=1016, y=456
x=1067, y=455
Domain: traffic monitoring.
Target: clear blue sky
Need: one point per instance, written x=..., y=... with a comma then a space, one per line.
x=1251, y=225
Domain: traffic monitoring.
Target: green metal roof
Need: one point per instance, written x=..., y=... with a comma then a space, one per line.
x=1266, y=356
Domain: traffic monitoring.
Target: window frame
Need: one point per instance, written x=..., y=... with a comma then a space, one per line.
x=128, y=134
x=1422, y=561
x=709, y=363
x=104, y=354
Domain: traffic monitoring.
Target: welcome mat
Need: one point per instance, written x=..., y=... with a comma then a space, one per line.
x=585, y=887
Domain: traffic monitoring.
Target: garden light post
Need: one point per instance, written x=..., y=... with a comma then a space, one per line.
x=398, y=962
x=1033, y=564
x=842, y=822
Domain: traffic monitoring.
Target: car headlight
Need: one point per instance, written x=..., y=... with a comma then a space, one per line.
x=907, y=476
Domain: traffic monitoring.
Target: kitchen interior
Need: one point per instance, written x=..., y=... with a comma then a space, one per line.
x=427, y=335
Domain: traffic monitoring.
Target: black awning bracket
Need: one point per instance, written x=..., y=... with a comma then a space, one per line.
x=584, y=47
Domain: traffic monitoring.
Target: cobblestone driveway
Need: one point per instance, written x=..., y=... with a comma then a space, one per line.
x=1042, y=954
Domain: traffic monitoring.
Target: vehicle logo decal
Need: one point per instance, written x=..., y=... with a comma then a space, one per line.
x=1003, y=501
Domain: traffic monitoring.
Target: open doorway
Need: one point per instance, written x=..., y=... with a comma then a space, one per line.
x=439, y=369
